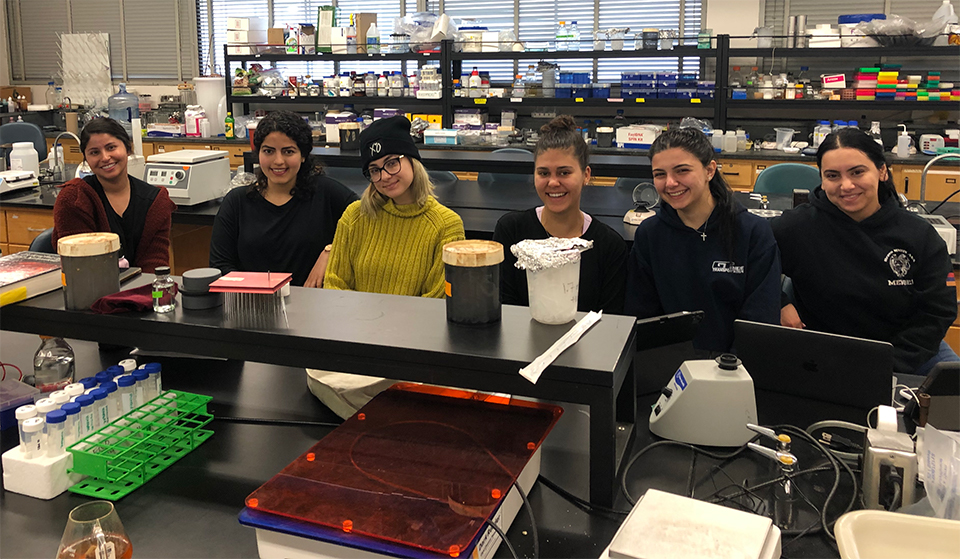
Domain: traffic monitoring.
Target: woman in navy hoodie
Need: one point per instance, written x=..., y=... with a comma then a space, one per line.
x=703, y=251
x=862, y=265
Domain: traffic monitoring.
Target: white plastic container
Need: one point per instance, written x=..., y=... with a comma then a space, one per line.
x=31, y=438
x=554, y=292
x=59, y=397
x=45, y=406
x=730, y=141
x=24, y=158
x=784, y=137
x=24, y=413
x=74, y=390
x=717, y=140
x=193, y=115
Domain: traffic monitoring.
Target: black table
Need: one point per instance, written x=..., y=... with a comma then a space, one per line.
x=404, y=338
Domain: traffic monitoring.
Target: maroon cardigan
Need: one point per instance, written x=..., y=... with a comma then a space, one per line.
x=78, y=209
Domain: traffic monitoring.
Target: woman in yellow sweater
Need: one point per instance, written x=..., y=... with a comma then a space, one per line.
x=391, y=241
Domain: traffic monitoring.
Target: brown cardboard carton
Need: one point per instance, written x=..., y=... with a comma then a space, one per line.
x=363, y=21
x=275, y=36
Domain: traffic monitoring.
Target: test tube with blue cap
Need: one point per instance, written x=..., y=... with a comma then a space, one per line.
x=102, y=377
x=55, y=428
x=140, y=388
x=86, y=424
x=125, y=386
x=115, y=370
x=113, y=399
x=72, y=411
x=101, y=408
x=154, y=369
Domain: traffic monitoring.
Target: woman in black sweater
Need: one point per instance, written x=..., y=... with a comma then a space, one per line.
x=561, y=171
x=862, y=265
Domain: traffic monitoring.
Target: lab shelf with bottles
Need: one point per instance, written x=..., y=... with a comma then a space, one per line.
x=676, y=52
x=611, y=102
x=324, y=100
x=848, y=52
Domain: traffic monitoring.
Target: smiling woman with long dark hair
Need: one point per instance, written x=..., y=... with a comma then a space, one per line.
x=283, y=221
x=863, y=266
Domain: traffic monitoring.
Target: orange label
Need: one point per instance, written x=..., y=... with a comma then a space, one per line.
x=63, y=279
x=447, y=288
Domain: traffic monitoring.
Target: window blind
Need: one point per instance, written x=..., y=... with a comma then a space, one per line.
x=143, y=36
x=826, y=11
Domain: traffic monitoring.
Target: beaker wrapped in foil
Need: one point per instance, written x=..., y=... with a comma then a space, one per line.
x=553, y=276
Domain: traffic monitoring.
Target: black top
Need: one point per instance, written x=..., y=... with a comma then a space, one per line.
x=884, y=278
x=252, y=235
x=129, y=226
x=675, y=268
x=603, y=271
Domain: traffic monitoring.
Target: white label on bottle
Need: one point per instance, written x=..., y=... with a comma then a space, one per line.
x=16, y=164
x=104, y=414
x=127, y=400
x=88, y=422
x=109, y=551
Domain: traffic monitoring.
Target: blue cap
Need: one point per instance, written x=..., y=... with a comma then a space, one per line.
x=139, y=375
x=88, y=382
x=84, y=400
x=115, y=370
x=125, y=381
x=152, y=368
x=853, y=123
x=102, y=377
x=56, y=416
x=109, y=387
x=98, y=393
x=70, y=408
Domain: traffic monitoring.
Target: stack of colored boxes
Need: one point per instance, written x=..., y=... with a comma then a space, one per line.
x=907, y=88
x=574, y=85
x=686, y=86
x=635, y=85
x=930, y=90
x=887, y=79
x=664, y=85
x=866, y=84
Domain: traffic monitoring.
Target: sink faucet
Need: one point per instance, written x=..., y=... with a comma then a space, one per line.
x=58, y=165
x=923, y=174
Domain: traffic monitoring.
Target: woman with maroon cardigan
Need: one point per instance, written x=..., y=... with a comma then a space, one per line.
x=110, y=200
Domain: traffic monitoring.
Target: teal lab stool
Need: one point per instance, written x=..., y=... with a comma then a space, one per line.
x=783, y=178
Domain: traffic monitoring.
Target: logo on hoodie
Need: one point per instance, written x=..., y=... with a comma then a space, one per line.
x=900, y=262
x=726, y=267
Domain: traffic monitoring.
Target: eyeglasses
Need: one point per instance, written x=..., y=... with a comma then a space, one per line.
x=391, y=166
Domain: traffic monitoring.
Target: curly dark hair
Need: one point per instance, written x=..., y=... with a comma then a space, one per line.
x=292, y=125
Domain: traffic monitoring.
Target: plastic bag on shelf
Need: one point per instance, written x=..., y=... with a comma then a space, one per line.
x=897, y=31
x=704, y=126
x=424, y=29
x=508, y=42
x=271, y=83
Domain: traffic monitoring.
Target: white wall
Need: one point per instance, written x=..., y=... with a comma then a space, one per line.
x=733, y=17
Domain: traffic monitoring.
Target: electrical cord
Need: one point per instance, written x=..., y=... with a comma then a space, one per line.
x=849, y=451
x=836, y=482
x=533, y=521
x=944, y=201
x=513, y=552
x=581, y=504
x=3, y=367
x=649, y=447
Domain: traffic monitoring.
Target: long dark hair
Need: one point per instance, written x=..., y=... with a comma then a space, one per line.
x=105, y=126
x=696, y=144
x=561, y=133
x=296, y=129
x=859, y=140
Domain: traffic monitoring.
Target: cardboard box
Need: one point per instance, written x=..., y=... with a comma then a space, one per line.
x=363, y=21
x=246, y=23
x=244, y=37
x=22, y=91
x=325, y=21
x=308, y=38
x=275, y=36
x=338, y=40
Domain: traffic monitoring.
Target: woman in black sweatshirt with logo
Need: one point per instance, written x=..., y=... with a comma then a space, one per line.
x=703, y=251
x=862, y=265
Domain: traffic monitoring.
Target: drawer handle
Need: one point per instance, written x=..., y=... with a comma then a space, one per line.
x=35, y=230
x=729, y=174
x=951, y=181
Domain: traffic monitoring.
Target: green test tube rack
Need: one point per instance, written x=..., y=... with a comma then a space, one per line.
x=134, y=448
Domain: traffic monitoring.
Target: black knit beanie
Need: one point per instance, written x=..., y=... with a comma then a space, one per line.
x=387, y=136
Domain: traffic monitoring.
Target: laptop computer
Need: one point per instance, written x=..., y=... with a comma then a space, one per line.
x=843, y=370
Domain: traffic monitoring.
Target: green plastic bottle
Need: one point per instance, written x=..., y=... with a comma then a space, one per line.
x=228, y=127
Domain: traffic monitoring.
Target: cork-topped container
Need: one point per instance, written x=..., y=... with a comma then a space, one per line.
x=90, y=264
x=472, y=274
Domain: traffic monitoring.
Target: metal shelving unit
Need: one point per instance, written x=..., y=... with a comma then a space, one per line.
x=450, y=63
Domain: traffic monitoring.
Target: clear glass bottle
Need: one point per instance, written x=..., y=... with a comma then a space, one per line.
x=518, y=87
x=53, y=364
x=164, y=299
x=574, y=37
x=51, y=95
x=753, y=84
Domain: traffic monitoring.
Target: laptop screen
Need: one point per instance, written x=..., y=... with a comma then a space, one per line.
x=831, y=368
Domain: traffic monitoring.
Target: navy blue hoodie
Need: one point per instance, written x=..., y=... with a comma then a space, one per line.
x=884, y=278
x=673, y=268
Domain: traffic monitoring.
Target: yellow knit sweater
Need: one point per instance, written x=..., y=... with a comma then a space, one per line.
x=399, y=252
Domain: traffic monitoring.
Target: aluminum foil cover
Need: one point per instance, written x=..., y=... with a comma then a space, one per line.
x=539, y=254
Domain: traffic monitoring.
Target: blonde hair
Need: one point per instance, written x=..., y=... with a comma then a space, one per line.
x=421, y=187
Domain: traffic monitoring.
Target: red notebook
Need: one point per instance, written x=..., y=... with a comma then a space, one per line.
x=251, y=282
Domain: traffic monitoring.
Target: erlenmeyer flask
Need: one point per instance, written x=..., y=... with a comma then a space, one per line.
x=94, y=531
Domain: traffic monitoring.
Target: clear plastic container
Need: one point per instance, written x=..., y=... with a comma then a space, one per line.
x=370, y=84
x=554, y=293
x=85, y=423
x=113, y=399
x=101, y=408
x=124, y=107
x=154, y=384
x=164, y=295
x=125, y=386
x=24, y=413
x=140, y=388
x=72, y=409
x=45, y=406
x=31, y=438
x=56, y=432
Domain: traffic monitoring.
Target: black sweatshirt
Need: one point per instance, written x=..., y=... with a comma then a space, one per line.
x=603, y=270
x=252, y=235
x=673, y=268
x=884, y=278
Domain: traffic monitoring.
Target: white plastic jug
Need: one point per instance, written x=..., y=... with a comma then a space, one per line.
x=24, y=157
